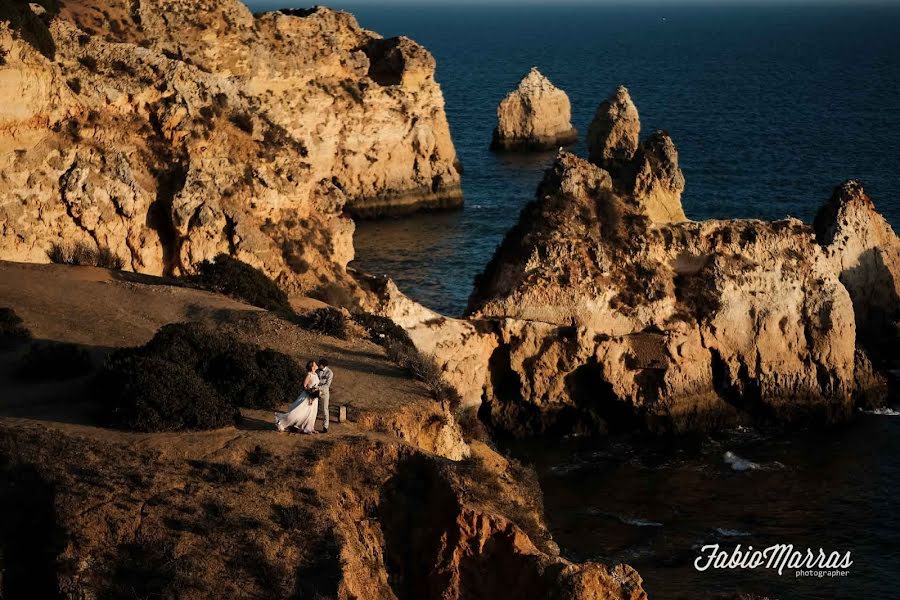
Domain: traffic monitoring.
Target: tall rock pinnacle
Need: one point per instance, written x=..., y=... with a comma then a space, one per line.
x=614, y=134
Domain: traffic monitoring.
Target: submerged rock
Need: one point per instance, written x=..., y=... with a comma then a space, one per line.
x=608, y=318
x=535, y=116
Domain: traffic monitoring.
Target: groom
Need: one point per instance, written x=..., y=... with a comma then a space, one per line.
x=326, y=376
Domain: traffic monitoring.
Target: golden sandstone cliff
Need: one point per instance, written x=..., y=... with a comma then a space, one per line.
x=171, y=131
x=612, y=310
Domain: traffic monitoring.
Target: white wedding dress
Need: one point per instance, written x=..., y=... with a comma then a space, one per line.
x=302, y=413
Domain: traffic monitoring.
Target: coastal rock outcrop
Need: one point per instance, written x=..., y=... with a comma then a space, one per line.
x=648, y=172
x=614, y=134
x=460, y=347
x=658, y=180
x=865, y=253
x=170, y=131
x=608, y=318
x=535, y=116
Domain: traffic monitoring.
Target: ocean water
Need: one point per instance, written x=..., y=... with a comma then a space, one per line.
x=654, y=505
x=770, y=107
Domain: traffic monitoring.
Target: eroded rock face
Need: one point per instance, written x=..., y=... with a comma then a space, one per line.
x=614, y=133
x=647, y=172
x=610, y=319
x=865, y=253
x=170, y=131
x=535, y=116
x=658, y=180
x=460, y=347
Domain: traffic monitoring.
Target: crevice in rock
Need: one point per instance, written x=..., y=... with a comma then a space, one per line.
x=159, y=216
x=386, y=63
x=597, y=403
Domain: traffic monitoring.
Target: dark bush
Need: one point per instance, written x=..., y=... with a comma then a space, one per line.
x=325, y=321
x=382, y=330
x=12, y=331
x=54, y=361
x=424, y=369
x=235, y=373
x=227, y=275
x=259, y=456
x=143, y=393
x=85, y=255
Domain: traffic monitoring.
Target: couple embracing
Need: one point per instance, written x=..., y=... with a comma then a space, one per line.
x=302, y=413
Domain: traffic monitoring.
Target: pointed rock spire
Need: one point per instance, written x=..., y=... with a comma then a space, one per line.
x=865, y=253
x=658, y=180
x=614, y=134
x=535, y=116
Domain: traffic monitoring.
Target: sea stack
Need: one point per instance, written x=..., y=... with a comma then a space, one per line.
x=648, y=172
x=535, y=116
x=614, y=134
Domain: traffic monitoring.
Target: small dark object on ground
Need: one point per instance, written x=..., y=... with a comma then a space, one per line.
x=54, y=361
x=84, y=255
x=236, y=279
x=12, y=331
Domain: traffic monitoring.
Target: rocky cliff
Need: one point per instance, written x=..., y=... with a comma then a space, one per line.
x=611, y=310
x=394, y=503
x=170, y=131
x=535, y=116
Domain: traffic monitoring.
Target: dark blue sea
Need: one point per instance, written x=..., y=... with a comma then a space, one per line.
x=770, y=107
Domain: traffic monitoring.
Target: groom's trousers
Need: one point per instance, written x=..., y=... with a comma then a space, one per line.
x=324, y=393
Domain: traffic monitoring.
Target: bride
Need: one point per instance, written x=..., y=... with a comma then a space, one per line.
x=302, y=413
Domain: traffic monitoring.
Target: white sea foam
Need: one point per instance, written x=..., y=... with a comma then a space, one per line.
x=739, y=464
x=639, y=522
x=732, y=532
x=885, y=412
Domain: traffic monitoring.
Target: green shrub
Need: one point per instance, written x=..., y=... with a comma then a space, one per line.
x=85, y=255
x=325, y=321
x=54, y=361
x=12, y=331
x=227, y=275
x=150, y=394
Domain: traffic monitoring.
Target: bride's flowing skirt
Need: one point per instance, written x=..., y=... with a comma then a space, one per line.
x=301, y=415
